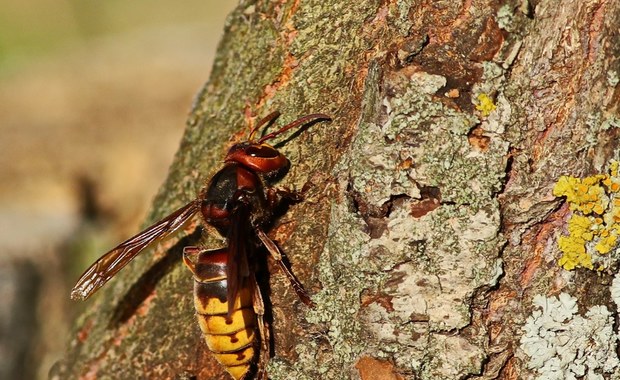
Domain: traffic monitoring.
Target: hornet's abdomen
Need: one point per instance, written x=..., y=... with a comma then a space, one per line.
x=233, y=340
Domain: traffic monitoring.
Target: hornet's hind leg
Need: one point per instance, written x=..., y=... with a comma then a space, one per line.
x=263, y=329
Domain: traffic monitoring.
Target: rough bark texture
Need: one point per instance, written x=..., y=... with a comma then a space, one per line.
x=430, y=224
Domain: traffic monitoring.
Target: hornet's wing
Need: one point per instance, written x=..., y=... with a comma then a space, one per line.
x=113, y=261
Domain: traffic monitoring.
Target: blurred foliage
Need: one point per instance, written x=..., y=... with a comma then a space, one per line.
x=93, y=97
x=29, y=29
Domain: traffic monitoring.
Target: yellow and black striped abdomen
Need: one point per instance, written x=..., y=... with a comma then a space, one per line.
x=233, y=340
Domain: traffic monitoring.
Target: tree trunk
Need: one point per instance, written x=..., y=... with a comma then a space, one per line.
x=430, y=226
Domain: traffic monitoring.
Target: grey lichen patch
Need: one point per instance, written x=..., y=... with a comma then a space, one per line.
x=612, y=78
x=421, y=141
x=382, y=147
x=505, y=17
x=445, y=256
x=495, y=123
x=403, y=292
x=430, y=136
x=400, y=17
x=452, y=357
x=610, y=122
x=433, y=265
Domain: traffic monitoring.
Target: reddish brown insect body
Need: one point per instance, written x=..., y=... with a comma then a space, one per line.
x=239, y=202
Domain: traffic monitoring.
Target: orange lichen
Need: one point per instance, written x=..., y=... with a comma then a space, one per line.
x=485, y=105
x=594, y=226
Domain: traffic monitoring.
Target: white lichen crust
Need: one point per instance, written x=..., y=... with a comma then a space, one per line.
x=558, y=343
x=615, y=290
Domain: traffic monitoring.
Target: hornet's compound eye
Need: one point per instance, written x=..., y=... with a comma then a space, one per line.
x=262, y=151
x=260, y=158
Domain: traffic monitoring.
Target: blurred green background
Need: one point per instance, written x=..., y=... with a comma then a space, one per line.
x=93, y=101
x=34, y=29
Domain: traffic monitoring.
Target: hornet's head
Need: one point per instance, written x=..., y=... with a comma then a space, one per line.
x=263, y=158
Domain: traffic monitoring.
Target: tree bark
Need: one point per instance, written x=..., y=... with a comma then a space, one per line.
x=430, y=225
